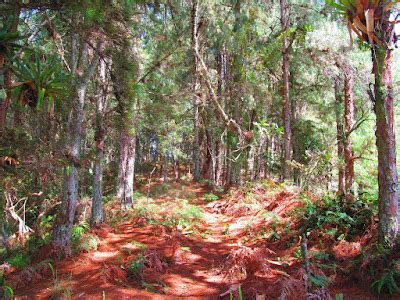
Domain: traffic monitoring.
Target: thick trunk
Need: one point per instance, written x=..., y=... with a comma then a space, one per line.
x=126, y=170
x=97, y=215
x=63, y=226
x=386, y=145
x=65, y=219
x=127, y=199
x=123, y=156
x=287, y=144
x=339, y=138
x=348, y=126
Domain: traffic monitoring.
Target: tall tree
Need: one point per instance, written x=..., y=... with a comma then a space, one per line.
x=287, y=142
x=371, y=22
x=83, y=69
x=97, y=215
x=348, y=127
x=196, y=99
x=8, y=38
x=339, y=136
x=126, y=75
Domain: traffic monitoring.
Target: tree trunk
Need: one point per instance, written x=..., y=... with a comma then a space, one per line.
x=129, y=176
x=339, y=138
x=6, y=73
x=165, y=167
x=97, y=215
x=287, y=144
x=250, y=163
x=123, y=156
x=196, y=101
x=65, y=218
x=348, y=126
x=386, y=145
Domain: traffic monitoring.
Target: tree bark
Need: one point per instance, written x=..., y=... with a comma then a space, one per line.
x=348, y=127
x=287, y=144
x=196, y=102
x=386, y=144
x=123, y=156
x=165, y=167
x=6, y=73
x=129, y=176
x=63, y=226
x=339, y=138
x=97, y=215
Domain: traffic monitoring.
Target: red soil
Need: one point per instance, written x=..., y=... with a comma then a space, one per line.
x=186, y=266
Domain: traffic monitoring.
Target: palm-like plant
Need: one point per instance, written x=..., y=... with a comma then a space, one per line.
x=371, y=21
x=40, y=80
x=8, y=41
x=364, y=17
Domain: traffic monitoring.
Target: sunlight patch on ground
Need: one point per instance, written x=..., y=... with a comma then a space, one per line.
x=99, y=256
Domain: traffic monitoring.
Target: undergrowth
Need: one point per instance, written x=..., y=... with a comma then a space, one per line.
x=336, y=217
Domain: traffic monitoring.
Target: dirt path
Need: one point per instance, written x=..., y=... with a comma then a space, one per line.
x=192, y=269
x=183, y=260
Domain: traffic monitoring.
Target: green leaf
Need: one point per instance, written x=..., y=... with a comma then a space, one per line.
x=40, y=99
x=336, y=5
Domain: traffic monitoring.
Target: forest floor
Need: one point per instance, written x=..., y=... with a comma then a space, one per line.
x=152, y=254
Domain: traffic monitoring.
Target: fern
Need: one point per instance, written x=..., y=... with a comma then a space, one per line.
x=319, y=280
x=79, y=229
x=387, y=283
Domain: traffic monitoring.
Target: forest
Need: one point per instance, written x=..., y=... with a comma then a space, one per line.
x=201, y=149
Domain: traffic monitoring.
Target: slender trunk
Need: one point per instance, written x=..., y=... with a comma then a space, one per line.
x=339, y=138
x=386, y=145
x=219, y=163
x=196, y=102
x=165, y=167
x=348, y=126
x=97, y=215
x=250, y=163
x=287, y=144
x=3, y=95
x=208, y=160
